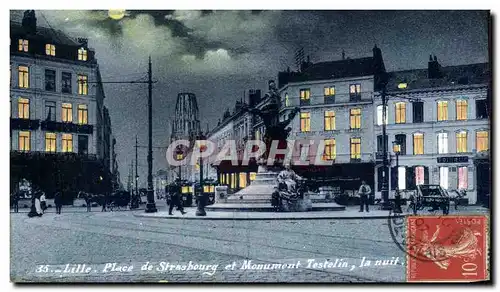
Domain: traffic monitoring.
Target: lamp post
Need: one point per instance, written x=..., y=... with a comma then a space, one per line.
x=397, y=198
x=200, y=211
x=179, y=155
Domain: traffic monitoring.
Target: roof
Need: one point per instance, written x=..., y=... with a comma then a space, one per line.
x=44, y=33
x=333, y=69
x=340, y=69
x=478, y=73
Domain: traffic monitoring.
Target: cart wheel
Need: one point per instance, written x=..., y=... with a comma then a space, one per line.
x=414, y=209
x=446, y=209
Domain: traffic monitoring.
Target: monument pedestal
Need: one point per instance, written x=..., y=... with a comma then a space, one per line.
x=257, y=197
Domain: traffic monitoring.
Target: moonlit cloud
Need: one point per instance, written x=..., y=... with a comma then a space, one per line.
x=219, y=55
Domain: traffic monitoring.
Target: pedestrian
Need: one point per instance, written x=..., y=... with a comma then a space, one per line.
x=35, y=206
x=38, y=206
x=58, y=202
x=175, y=192
x=88, y=201
x=16, y=202
x=104, y=201
x=364, y=191
x=43, y=202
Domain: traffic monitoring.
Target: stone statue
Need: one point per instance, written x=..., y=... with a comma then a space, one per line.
x=275, y=130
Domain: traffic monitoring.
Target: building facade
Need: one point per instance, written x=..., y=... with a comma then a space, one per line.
x=58, y=116
x=440, y=117
x=336, y=106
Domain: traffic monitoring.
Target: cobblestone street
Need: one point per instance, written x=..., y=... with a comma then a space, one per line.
x=118, y=237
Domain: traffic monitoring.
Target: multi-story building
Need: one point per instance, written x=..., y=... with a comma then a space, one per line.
x=60, y=129
x=439, y=117
x=235, y=126
x=336, y=105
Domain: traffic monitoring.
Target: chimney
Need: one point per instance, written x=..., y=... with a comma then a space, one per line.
x=29, y=21
x=434, y=68
x=380, y=75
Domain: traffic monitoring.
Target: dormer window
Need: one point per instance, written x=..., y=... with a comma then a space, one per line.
x=82, y=54
x=23, y=45
x=50, y=50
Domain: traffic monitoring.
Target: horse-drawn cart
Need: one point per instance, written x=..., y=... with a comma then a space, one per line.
x=430, y=196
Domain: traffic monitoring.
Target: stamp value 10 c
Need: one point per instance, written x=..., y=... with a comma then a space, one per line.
x=447, y=248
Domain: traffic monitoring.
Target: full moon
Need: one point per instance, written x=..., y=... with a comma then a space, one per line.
x=116, y=14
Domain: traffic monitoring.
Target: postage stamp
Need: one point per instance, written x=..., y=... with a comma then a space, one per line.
x=449, y=248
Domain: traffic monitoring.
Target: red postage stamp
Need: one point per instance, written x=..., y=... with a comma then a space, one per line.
x=447, y=248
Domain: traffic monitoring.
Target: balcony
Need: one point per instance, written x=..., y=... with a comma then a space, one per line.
x=53, y=155
x=66, y=127
x=24, y=124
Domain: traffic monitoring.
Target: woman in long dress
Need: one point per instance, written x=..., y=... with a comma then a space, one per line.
x=38, y=205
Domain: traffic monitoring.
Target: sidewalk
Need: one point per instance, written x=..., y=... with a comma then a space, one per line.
x=351, y=212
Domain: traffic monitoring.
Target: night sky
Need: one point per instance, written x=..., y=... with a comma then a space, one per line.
x=219, y=54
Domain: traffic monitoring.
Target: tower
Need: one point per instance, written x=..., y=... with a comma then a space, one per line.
x=186, y=123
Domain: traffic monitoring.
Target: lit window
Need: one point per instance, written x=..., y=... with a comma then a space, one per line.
x=50, y=50
x=23, y=45
x=402, y=177
x=23, y=106
x=82, y=54
x=443, y=177
x=329, y=91
x=287, y=100
x=329, y=120
x=442, y=111
x=442, y=143
x=185, y=189
x=380, y=115
x=305, y=96
x=23, y=76
x=253, y=175
x=462, y=177
x=233, y=180
x=305, y=122
x=82, y=114
x=402, y=85
x=461, y=109
x=418, y=143
x=243, y=180
x=355, y=91
x=400, y=113
x=67, y=112
x=67, y=143
x=355, y=118
x=330, y=150
x=419, y=175
x=24, y=141
x=221, y=178
x=212, y=189
x=50, y=142
x=461, y=142
x=82, y=85
x=355, y=148
x=482, y=143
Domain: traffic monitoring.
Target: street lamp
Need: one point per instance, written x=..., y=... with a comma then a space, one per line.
x=397, y=150
x=179, y=155
x=201, y=200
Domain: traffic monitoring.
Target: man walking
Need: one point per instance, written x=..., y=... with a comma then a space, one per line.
x=174, y=192
x=58, y=202
x=364, y=191
x=16, y=202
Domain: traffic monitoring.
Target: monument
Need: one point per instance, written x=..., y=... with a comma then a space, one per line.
x=262, y=192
